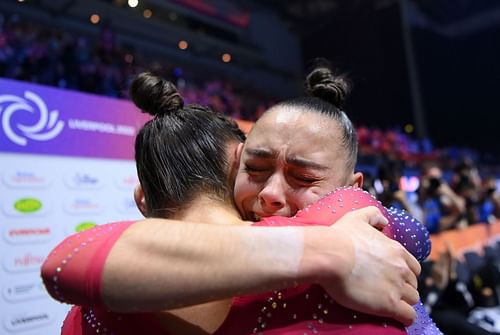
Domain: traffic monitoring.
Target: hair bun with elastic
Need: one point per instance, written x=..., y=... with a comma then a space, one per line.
x=154, y=95
x=322, y=83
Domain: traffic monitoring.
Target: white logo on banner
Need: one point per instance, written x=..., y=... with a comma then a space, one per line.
x=45, y=129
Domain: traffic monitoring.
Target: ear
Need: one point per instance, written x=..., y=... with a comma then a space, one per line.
x=234, y=165
x=357, y=180
x=234, y=154
x=140, y=201
x=239, y=151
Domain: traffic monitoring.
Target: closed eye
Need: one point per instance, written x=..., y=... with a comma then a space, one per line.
x=253, y=169
x=306, y=180
x=304, y=177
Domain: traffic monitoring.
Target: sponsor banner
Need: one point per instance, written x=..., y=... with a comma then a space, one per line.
x=84, y=181
x=27, y=234
x=44, y=120
x=24, y=291
x=80, y=226
x=23, y=262
x=26, y=206
x=26, y=178
x=127, y=182
x=83, y=205
x=28, y=320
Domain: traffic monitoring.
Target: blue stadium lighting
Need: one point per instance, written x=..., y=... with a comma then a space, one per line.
x=178, y=72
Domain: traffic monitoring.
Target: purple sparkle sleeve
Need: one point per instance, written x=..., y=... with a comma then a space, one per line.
x=408, y=231
x=423, y=325
x=413, y=235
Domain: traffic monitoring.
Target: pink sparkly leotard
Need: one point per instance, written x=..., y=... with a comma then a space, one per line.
x=73, y=271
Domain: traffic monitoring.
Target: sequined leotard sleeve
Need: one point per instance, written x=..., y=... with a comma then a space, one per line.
x=72, y=271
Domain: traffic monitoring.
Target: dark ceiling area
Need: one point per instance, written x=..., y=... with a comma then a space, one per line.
x=456, y=48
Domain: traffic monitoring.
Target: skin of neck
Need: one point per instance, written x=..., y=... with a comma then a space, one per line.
x=210, y=210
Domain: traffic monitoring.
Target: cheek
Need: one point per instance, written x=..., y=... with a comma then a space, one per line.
x=332, y=183
x=313, y=194
x=243, y=188
x=308, y=196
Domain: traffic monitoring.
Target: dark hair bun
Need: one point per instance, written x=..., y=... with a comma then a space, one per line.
x=154, y=95
x=322, y=83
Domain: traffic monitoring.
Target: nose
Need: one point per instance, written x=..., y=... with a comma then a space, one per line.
x=272, y=197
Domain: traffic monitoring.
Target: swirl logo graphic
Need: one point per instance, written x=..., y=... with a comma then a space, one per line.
x=47, y=127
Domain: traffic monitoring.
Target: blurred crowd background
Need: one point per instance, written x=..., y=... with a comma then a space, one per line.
x=423, y=74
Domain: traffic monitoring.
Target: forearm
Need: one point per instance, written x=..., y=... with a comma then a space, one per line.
x=181, y=264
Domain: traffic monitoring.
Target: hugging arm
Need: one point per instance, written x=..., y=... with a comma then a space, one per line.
x=159, y=264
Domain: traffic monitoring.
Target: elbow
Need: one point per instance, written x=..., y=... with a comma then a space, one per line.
x=49, y=278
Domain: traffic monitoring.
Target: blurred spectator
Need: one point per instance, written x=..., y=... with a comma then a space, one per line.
x=442, y=208
x=391, y=195
x=447, y=297
x=489, y=205
x=466, y=182
x=41, y=55
x=465, y=173
x=368, y=183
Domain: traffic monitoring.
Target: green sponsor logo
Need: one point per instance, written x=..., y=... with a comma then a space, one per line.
x=84, y=226
x=27, y=205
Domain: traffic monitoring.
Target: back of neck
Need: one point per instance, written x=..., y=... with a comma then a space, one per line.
x=204, y=209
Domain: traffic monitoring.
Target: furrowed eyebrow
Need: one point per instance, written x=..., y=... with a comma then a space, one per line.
x=261, y=153
x=304, y=163
x=300, y=162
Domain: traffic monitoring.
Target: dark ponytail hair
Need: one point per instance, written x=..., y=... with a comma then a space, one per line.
x=181, y=152
x=327, y=93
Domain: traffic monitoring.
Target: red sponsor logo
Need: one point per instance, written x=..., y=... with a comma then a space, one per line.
x=28, y=260
x=29, y=232
x=27, y=180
